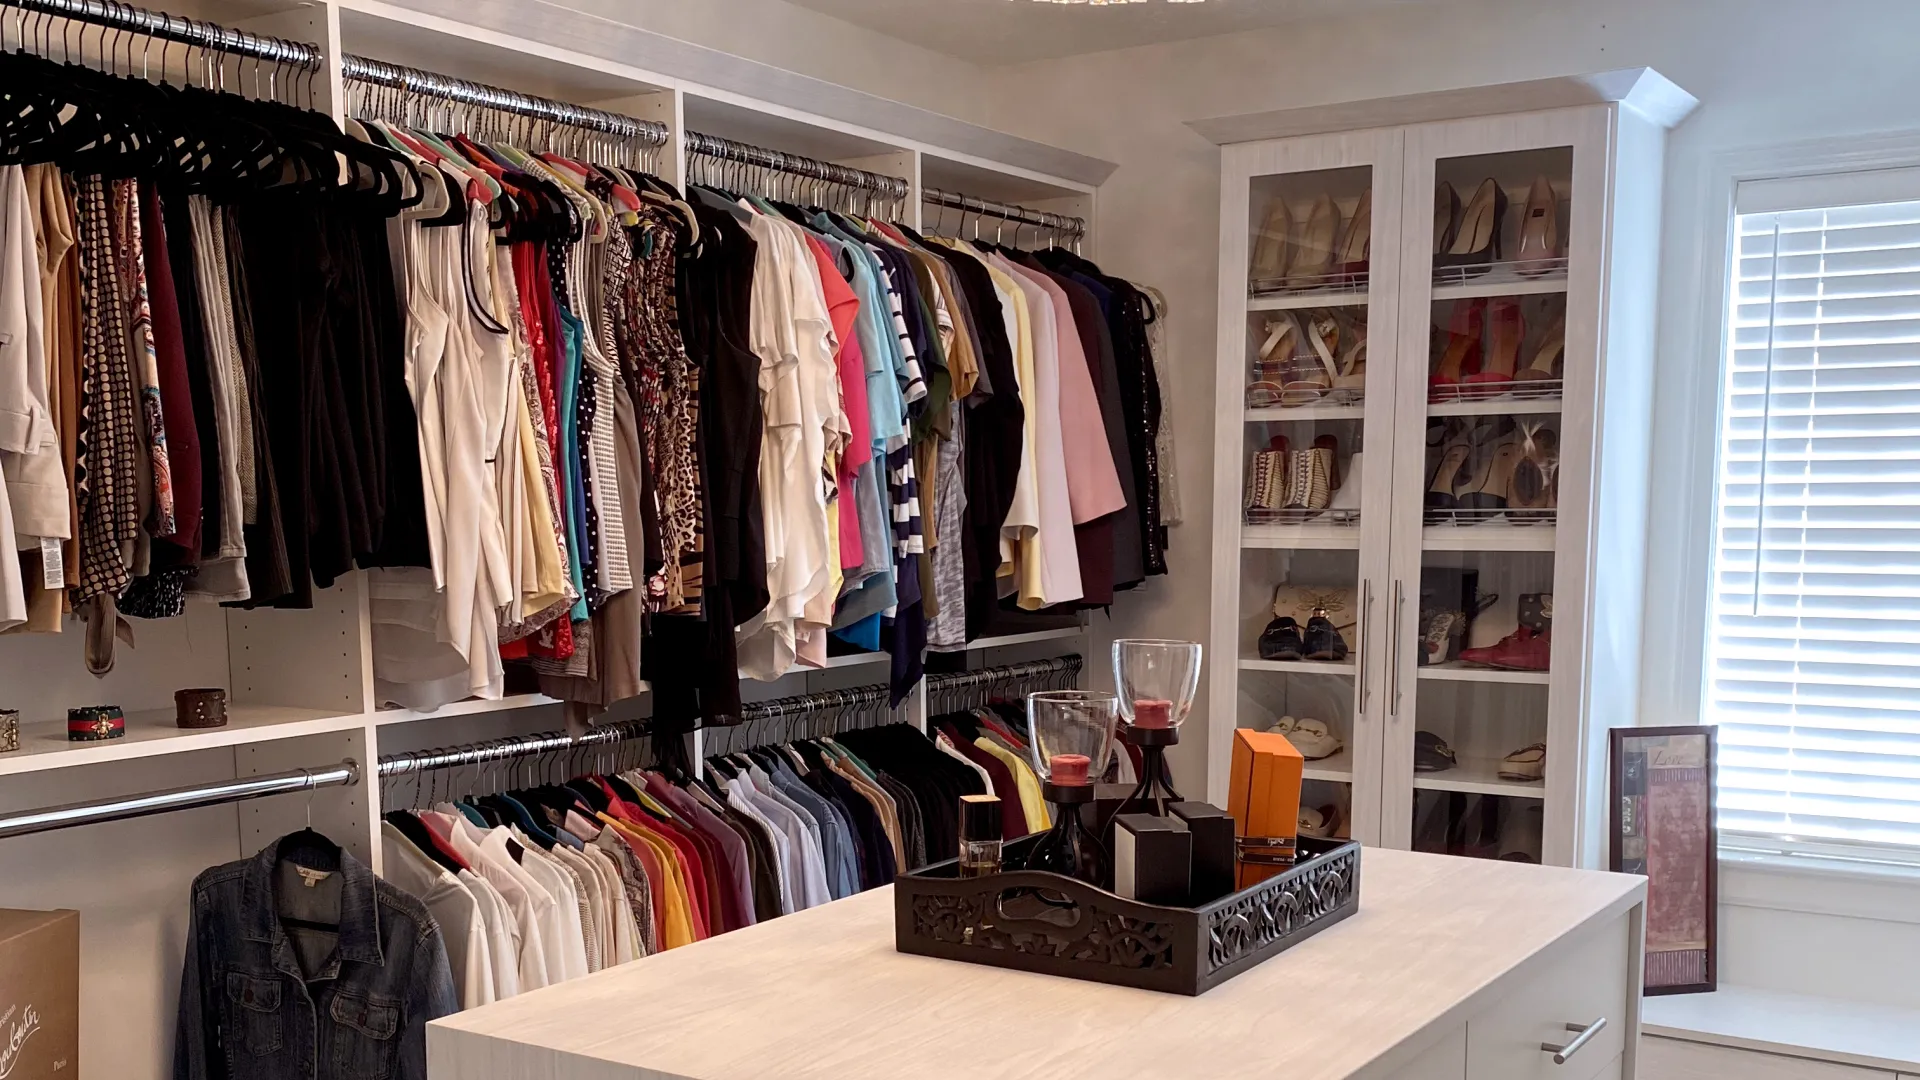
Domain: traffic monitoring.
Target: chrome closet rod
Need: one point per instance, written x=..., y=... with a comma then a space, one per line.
x=47, y=819
x=1074, y=227
x=1031, y=669
x=728, y=150
x=371, y=72
x=159, y=24
x=516, y=746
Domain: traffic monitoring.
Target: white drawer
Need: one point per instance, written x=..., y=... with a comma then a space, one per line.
x=1676, y=1059
x=1446, y=1059
x=1586, y=978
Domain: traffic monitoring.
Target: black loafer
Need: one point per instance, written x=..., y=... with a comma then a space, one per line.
x=1323, y=640
x=1281, y=640
x=1431, y=753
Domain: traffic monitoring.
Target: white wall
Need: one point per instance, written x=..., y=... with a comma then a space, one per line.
x=798, y=39
x=1766, y=72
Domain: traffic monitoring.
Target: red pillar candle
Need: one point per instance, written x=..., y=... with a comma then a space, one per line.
x=1069, y=768
x=1150, y=713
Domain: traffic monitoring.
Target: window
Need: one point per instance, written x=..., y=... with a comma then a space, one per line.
x=1813, y=651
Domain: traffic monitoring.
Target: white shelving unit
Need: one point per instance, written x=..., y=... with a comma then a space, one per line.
x=299, y=683
x=1441, y=341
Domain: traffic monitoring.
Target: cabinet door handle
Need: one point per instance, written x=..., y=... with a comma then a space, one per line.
x=1582, y=1036
x=1393, y=654
x=1360, y=638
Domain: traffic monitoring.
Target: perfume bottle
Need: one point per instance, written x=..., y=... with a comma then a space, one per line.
x=1071, y=730
x=980, y=835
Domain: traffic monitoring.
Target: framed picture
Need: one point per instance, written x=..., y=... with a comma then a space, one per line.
x=1662, y=822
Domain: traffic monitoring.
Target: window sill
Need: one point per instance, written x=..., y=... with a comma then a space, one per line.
x=1888, y=892
x=1795, y=1025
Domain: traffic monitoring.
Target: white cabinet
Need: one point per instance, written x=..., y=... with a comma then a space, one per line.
x=1674, y=1059
x=1578, y=1000
x=1434, y=379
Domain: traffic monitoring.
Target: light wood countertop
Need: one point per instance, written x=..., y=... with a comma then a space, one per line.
x=823, y=994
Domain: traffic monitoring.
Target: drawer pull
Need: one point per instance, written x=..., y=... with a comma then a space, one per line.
x=1582, y=1036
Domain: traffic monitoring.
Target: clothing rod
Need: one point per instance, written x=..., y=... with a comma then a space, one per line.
x=506, y=749
x=346, y=773
x=728, y=150
x=1071, y=226
x=158, y=24
x=361, y=69
x=1031, y=669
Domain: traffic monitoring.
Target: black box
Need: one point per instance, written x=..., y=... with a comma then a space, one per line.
x=1152, y=859
x=1213, y=851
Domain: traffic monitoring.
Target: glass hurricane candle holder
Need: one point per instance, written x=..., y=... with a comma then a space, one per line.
x=1156, y=679
x=1071, y=734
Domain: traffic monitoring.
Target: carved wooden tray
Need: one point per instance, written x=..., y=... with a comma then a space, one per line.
x=1055, y=925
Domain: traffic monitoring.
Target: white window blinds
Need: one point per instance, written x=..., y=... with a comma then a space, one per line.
x=1813, y=658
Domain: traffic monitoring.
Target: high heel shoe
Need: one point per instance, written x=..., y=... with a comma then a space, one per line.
x=1273, y=246
x=1539, y=232
x=1313, y=255
x=1440, y=497
x=1267, y=481
x=1312, y=374
x=1476, y=243
x=1356, y=243
x=1350, y=385
x=1446, y=218
x=1535, y=491
x=1487, y=490
x=1543, y=375
x=1495, y=376
x=1312, y=476
x=1462, y=355
x=1270, y=369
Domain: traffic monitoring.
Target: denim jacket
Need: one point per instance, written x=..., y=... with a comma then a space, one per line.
x=248, y=1011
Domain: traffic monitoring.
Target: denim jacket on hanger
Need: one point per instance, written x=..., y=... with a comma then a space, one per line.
x=249, y=1012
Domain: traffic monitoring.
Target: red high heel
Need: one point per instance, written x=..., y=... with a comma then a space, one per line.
x=1463, y=350
x=1495, y=376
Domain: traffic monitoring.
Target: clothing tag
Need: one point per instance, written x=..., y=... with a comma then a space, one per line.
x=53, y=571
x=311, y=876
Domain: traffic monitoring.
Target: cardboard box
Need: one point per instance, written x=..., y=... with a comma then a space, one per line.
x=39, y=995
x=1264, y=799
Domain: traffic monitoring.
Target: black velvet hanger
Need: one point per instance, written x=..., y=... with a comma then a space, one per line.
x=315, y=852
x=590, y=793
x=417, y=832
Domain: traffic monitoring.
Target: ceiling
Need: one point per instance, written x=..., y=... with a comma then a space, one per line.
x=997, y=32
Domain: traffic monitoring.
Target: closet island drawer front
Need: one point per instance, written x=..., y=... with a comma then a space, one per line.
x=1586, y=979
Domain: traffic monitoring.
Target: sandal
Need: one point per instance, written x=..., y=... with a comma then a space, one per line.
x=1311, y=376
x=1275, y=357
x=1350, y=385
x=1321, y=824
x=1533, y=491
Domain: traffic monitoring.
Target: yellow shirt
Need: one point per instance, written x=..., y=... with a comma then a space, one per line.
x=1020, y=544
x=675, y=927
x=1033, y=802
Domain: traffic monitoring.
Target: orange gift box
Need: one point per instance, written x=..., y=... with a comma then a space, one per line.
x=1264, y=800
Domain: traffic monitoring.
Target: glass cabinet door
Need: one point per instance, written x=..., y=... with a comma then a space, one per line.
x=1495, y=221
x=1316, y=350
